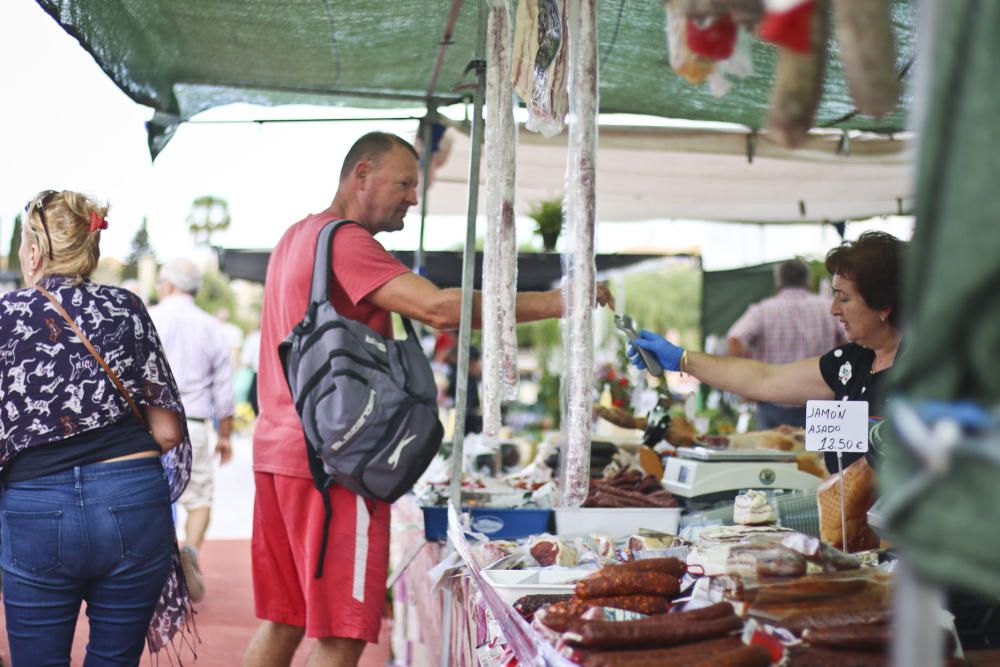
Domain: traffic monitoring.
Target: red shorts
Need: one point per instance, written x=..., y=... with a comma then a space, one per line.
x=347, y=601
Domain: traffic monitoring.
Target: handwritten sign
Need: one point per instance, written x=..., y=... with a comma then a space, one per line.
x=837, y=426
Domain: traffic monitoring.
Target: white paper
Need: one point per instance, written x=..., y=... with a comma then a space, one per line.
x=837, y=426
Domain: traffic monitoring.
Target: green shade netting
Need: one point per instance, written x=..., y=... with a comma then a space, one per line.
x=184, y=56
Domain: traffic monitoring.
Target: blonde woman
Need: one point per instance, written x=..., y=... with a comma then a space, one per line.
x=92, y=452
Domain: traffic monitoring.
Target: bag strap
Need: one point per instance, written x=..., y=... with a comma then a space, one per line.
x=94, y=352
x=322, y=273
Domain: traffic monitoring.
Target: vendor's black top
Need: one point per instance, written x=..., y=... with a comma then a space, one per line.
x=847, y=370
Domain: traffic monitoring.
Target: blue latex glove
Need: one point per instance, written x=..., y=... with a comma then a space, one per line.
x=971, y=417
x=668, y=354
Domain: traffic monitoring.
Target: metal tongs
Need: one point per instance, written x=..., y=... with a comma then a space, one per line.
x=627, y=326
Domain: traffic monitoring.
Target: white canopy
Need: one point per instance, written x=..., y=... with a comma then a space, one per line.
x=649, y=173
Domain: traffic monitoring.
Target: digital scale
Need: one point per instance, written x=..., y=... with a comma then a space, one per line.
x=702, y=472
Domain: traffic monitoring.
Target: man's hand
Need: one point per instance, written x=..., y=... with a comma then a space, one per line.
x=668, y=354
x=604, y=295
x=224, y=448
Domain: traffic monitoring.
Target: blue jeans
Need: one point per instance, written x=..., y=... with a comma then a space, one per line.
x=101, y=533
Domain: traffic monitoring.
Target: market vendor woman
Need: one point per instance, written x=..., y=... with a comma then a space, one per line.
x=866, y=295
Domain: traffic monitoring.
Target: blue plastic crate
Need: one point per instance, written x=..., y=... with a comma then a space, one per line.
x=497, y=524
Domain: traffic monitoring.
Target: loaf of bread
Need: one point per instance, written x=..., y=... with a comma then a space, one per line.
x=859, y=496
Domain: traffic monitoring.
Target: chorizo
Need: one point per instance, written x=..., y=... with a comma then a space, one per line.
x=647, y=634
x=675, y=567
x=649, y=605
x=745, y=656
x=868, y=54
x=663, y=656
x=614, y=581
x=834, y=618
x=798, y=83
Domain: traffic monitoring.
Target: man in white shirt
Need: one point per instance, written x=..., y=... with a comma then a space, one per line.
x=198, y=352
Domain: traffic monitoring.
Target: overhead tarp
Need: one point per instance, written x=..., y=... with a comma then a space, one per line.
x=181, y=57
x=535, y=270
x=649, y=173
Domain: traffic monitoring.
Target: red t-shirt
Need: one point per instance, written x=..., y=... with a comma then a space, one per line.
x=360, y=266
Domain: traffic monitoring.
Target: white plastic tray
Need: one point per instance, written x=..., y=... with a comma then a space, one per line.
x=616, y=522
x=512, y=585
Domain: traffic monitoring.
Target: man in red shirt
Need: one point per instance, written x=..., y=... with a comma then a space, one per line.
x=342, y=609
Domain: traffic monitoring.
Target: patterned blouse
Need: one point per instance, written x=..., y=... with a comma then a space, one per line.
x=52, y=388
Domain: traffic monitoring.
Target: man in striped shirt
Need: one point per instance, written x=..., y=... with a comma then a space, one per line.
x=792, y=325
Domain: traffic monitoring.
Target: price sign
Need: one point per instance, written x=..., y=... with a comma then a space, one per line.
x=837, y=426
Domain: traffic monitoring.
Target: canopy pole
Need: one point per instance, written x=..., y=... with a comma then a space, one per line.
x=469, y=262
x=426, y=133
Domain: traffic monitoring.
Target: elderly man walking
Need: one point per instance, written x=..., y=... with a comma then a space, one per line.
x=198, y=352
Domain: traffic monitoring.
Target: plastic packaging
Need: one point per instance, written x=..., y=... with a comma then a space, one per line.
x=539, y=67
x=500, y=250
x=579, y=292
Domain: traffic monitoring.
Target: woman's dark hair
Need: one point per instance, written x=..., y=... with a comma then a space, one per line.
x=874, y=263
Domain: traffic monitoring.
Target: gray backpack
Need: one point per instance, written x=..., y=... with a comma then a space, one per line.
x=368, y=405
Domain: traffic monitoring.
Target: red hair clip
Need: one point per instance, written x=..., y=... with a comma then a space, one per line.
x=97, y=222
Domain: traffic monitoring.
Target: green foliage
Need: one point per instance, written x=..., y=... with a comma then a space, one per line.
x=209, y=214
x=660, y=300
x=13, y=260
x=664, y=299
x=140, y=248
x=547, y=215
x=216, y=294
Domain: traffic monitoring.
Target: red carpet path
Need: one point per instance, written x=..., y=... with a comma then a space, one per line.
x=225, y=617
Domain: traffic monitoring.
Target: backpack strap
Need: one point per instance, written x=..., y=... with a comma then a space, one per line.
x=327, y=518
x=322, y=273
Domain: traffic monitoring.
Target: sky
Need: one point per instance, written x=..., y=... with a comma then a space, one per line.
x=65, y=125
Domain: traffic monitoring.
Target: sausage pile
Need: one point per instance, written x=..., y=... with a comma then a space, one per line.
x=628, y=488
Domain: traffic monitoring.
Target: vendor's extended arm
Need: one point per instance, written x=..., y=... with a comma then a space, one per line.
x=416, y=297
x=793, y=383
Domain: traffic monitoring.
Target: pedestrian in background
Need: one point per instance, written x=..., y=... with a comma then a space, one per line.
x=198, y=350
x=792, y=325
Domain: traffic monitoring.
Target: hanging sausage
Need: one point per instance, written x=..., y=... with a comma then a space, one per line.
x=800, y=29
x=539, y=67
x=868, y=53
x=500, y=251
x=579, y=291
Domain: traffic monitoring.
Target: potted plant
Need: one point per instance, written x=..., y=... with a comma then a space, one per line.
x=548, y=219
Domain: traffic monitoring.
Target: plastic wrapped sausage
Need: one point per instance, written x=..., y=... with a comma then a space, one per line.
x=745, y=656
x=664, y=656
x=798, y=82
x=868, y=53
x=500, y=249
x=797, y=623
x=666, y=631
x=580, y=291
x=859, y=637
x=539, y=66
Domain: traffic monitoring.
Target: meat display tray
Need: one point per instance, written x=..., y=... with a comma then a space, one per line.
x=495, y=523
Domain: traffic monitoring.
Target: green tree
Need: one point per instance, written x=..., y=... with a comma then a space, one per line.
x=209, y=214
x=13, y=260
x=216, y=294
x=140, y=248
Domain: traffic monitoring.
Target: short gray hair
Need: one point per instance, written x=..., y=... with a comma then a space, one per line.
x=182, y=274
